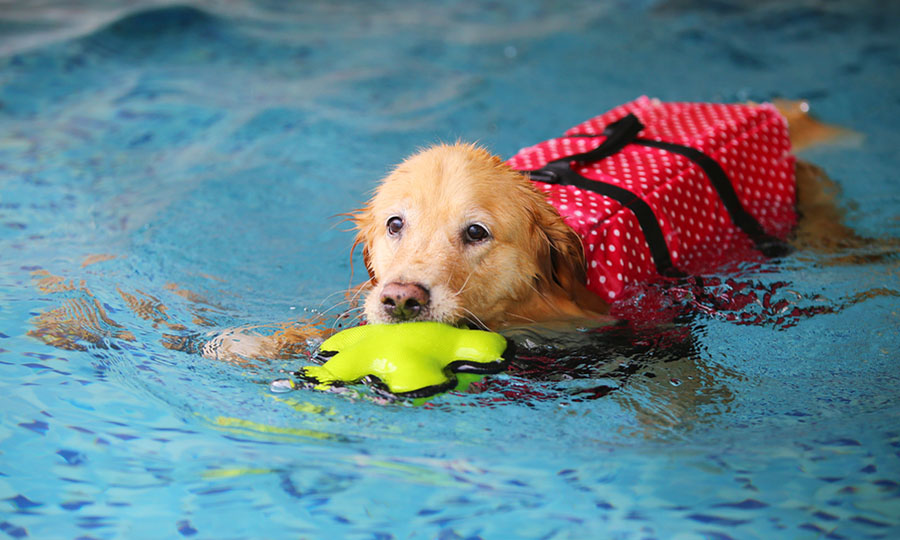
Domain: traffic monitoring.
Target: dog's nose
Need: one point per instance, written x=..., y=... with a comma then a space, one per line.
x=404, y=301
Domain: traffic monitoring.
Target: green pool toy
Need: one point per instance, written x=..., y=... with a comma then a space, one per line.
x=415, y=359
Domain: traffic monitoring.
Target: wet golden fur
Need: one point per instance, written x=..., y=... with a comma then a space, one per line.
x=530, y=268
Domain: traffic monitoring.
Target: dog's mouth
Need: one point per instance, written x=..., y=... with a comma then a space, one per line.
x=471, y=325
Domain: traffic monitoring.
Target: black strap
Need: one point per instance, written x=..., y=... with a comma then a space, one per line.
x=766, y=243
x=559, y=172
x=623, y=132
x=619, y=134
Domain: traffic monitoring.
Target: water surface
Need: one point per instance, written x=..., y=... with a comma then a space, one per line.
x=190, y=159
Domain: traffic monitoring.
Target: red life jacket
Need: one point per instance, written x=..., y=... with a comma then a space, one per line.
x=659, y=188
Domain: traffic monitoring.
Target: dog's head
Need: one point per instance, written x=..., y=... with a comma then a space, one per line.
x=455, y=235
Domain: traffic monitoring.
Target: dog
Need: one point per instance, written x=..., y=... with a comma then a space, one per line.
x=454, y=234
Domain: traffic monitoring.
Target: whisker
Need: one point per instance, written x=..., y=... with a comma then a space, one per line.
x=344, y=315
x=447, y=282
x=351, y=310
x=474, y=318
x=359, y=289
x=539, y=293
x=323, y=312
x=341, y=312
x=466, y=282
x=524, y=318
x=351, y=301
x=322, y=302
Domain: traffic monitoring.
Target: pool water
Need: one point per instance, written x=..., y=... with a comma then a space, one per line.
x=169, y=171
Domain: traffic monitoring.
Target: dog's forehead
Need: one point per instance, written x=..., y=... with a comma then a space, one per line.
x=455, y=183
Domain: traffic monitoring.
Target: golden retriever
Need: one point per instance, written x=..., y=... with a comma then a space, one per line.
x=455, y=235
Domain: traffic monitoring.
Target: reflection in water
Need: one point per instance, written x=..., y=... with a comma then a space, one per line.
x=656, y=372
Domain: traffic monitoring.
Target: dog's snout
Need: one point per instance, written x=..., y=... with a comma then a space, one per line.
x=404, y=301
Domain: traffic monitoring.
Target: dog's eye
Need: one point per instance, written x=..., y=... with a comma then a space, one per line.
x=394, y=225
x=476, y=233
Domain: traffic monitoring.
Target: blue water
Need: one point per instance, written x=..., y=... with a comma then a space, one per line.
x=148, y=149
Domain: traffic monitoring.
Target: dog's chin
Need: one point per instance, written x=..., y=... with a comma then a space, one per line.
x=458, y=322
x=377, y=316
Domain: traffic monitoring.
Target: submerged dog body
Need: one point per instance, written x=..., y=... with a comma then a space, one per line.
x=455, y=235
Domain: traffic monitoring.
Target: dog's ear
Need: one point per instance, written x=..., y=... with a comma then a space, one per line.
x=367, y=259
x=562, y=266
x=562, y=253
x=363, y=222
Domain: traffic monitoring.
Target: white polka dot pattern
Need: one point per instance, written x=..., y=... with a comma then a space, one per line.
x=750, y=143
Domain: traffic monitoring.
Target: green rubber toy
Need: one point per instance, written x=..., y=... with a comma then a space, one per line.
x=415, y=359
